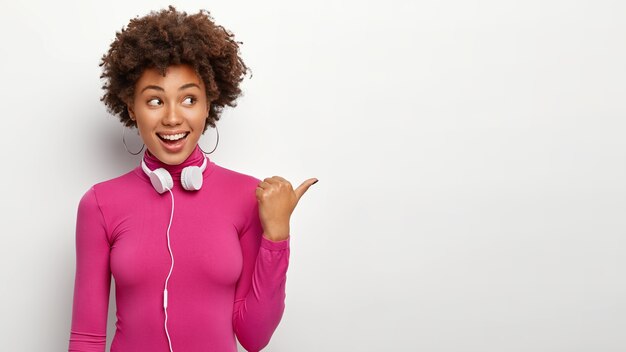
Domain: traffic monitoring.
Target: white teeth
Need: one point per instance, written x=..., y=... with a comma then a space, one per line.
x=173, y=137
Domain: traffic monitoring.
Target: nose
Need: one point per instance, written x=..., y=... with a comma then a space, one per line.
x=172, y=118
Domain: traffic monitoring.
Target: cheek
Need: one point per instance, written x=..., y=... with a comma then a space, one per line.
x=199, y=122
x=145, y=127
x=147, y=119
x=143, y=133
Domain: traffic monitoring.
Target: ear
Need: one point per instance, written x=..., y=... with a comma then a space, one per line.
x=129, y=108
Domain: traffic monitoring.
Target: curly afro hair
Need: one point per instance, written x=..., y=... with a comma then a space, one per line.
x=169, y=37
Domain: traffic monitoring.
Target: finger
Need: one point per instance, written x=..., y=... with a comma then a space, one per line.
x=264, y=185
x=270, y=179
x=304, y=186
x=278, y=178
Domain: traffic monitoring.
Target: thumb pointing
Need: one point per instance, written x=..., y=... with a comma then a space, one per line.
x=304, y=186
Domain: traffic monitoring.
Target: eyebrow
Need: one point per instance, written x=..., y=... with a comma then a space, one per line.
x=184, y=86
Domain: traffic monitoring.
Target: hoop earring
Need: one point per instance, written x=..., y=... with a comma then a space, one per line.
x=124, y=141
x=218, y=141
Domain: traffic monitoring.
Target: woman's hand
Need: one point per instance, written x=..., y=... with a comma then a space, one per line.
x=277, y=200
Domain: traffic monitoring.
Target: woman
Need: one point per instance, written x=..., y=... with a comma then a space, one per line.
x=199, y=252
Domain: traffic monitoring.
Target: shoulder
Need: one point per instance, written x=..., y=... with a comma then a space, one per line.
x=114, y=187
x=235, y=180
x=119, y=181
x=237, y=189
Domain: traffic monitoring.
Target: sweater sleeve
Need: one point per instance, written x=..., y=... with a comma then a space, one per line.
x=92, y=280
x=260, y=292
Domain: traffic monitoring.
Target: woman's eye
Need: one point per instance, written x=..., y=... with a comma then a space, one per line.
x=191, y=98
x=151, y=100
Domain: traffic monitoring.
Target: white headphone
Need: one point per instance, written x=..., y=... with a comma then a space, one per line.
x=191, y=180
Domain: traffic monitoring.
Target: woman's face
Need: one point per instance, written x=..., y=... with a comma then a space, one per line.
x=172, y=108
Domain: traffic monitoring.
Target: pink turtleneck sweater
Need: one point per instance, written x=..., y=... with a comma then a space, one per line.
x=228, y=279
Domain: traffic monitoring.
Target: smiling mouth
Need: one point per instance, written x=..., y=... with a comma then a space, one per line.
x=173, y=141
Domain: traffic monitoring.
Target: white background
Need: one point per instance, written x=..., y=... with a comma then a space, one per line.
x=471, y=158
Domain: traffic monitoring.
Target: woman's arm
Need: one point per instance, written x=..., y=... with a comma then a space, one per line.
x=93, y=278
x=260, y=292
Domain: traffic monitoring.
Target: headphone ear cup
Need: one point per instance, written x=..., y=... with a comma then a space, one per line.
x=161, y=180
x=191, y=178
